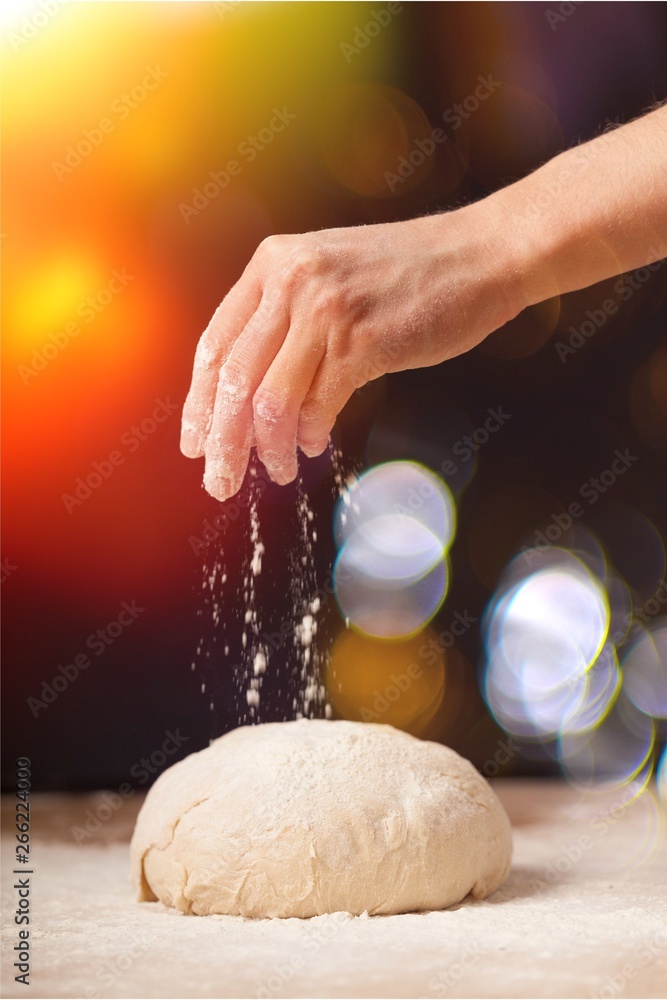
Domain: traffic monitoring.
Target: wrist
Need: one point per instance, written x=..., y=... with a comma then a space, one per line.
x=474, y=274
x=501, y=252
x=525, y=237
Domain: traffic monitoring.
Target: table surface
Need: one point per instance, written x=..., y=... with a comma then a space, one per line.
x=582, y=914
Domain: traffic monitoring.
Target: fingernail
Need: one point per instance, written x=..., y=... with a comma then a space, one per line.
x=219, y=479
x=311, y=450
x=219, y=486
x=192, y=445
x=283, y=477
x=283, y=469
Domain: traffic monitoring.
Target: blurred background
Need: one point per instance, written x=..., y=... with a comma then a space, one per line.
x=148, y=149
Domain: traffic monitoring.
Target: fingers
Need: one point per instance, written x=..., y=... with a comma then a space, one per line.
x=263, y=372
x=231, y=435
x=279, y=398
x=328, y=394
x=229, y=441
x=214, y=345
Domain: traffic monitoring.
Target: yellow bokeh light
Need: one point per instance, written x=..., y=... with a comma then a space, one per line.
x=399, y=684
x=365, y=134
x=49, y=298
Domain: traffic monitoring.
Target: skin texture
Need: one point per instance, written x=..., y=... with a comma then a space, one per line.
x=316, y=316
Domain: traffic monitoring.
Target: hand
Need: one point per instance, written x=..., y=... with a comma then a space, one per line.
x=316, y=316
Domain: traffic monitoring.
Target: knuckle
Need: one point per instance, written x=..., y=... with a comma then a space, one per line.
x=272, y=300
x=306, y=260
x=312, y=413
x=206, y=353
x=272, y=245
x=328, y=302
x=294, y=259
x=271, y=407
x=303, y=261
x=233, y=381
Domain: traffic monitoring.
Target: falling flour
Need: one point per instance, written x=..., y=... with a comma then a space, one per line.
x=252, y=663
x=254, y=655
x=310, y=700
x=214, y=577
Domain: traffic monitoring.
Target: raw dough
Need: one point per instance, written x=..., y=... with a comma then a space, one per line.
x=296, y=819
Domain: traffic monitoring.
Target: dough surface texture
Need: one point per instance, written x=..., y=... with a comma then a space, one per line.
x=298, y=819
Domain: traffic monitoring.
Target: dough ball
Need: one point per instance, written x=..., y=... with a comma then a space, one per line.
x=296, y=819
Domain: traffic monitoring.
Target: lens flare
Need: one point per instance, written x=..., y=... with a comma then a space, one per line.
x=662, y=777
x=650, y=820
x=554, y=614
x=399, y=490
x=603, y=682
x=635, y=548
x=373, y=680
x=390, y=608
x=393, y=527
x=548, y=670
x=645, y=670
x=620, y=606
x=612, y=754
x=392, y=547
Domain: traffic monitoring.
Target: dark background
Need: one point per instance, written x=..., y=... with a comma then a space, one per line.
x=563, y=82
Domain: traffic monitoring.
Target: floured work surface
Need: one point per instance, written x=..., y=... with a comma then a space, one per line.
x=581, y=914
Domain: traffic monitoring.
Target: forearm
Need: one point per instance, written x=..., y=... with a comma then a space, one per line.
x=596, y=210
x=315, y=316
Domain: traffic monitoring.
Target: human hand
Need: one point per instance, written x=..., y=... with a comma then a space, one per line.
x=316, y=316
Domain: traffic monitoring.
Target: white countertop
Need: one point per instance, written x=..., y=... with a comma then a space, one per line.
x=583, y=913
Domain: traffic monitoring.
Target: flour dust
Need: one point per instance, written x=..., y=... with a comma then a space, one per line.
x=252, y=658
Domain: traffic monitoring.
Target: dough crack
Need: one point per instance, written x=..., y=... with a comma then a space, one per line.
x=147, y=892
x=181, y=818
x=303, y=820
